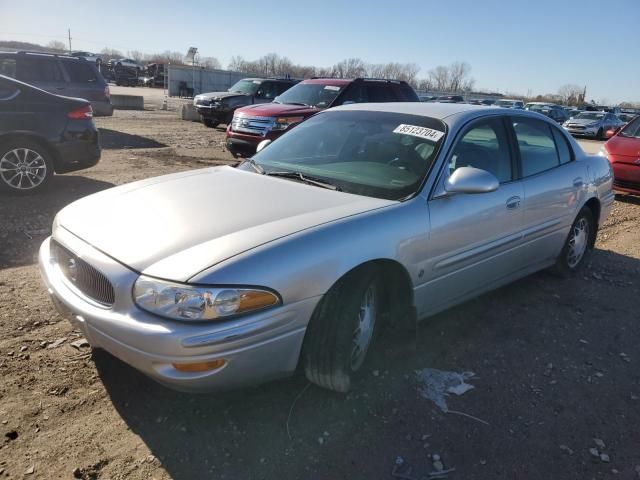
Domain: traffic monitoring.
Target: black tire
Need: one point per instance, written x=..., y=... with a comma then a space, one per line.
x=328, y=351
x=208, y=122
x=565, y=265
x=33, y=179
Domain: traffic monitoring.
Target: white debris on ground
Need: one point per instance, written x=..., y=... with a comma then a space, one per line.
x=436, y=385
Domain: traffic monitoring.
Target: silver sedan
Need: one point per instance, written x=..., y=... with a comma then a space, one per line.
x=224, y=277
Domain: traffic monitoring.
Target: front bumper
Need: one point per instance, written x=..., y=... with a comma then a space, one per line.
x=587, y=132
x=626, y=177
x=214, y=112
x=257, y=347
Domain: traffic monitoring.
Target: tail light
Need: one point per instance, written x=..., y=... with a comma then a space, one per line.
x=107, y=93
x=81, y=113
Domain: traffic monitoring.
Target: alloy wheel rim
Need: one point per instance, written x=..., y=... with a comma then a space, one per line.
x=364, y=329
x=578, y=242
x=23, y=169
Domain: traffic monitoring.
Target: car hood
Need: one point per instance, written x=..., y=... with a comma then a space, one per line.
x=220, y=95
x=276, y=109
x=176, y=225
x=583, y=121
x=624, y=146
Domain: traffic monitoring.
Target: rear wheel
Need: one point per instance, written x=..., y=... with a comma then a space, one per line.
x=578, y=244
x=25, y=167
x=342, y=329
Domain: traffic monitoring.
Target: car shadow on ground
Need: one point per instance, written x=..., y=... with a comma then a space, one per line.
x=628, y=198
x=114, y=139
x=552, y=361
x=284, y=429
x=26, y=219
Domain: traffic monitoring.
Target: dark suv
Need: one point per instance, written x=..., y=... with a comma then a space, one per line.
x=218, y=107
x=42, y=134
x=60, y=74
x=255, y=123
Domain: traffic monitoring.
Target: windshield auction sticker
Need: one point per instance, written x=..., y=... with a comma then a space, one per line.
x=332, y=87
x=422, y=132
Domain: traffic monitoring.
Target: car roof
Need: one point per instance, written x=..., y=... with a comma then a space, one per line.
x=338, y=82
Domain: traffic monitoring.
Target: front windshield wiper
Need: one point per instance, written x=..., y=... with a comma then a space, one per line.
x=299, y=103
x=258, y=168
x=305, y=178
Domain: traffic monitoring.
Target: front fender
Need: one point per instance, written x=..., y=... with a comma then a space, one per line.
x=308, y=263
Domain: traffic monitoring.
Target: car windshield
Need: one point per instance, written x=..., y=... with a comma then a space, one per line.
x=376, y=154
x=632, y=129
x=248, y=87
x=313, y=94
x=590, y=116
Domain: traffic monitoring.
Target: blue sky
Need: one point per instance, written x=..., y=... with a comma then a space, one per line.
x=512, y=45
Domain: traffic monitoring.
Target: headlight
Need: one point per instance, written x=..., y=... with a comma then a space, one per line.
x=603, y=152
x=282, y=123
x=189, y=302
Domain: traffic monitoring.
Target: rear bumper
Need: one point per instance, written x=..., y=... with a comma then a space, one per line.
x=256, y=348
x=102, y=109
x=79, y=149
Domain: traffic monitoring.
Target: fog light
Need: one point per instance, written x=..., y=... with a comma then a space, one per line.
x=200, y=366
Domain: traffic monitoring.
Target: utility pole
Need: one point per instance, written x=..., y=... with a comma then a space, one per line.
x=69, y=31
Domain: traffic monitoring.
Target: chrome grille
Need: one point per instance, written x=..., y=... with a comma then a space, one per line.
x=258, y=126
x=83, y=276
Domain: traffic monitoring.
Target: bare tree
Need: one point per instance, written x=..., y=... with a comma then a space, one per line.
x=210, y=62
x=137, y=55
x=571, y=94
x=110, y=54
x=349, y=68
x=56, y=45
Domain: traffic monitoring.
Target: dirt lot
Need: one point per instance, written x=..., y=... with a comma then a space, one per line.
x=555, y=364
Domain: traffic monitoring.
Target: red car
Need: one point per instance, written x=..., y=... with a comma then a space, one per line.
x=255, y=123
x=623, y=152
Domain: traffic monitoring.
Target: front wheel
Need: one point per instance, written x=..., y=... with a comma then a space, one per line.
x=342, y=329
x=578, y=244
x=208, y=122
x=25, y=167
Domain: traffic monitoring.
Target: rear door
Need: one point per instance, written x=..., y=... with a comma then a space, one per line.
x=475, y=239
x=554, y=185
x=41, y=71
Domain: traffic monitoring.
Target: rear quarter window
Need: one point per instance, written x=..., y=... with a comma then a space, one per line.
x=38, y=69
x=80, y=71
x=8, y=67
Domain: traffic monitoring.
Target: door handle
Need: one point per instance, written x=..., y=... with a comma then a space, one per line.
x=577, y=182
x=513, y=203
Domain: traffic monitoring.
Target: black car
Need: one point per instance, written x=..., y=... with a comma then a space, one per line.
x=450, y=99
x=218, y=107
x=42, y=134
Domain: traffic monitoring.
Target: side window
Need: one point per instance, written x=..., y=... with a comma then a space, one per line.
x=380, y=93
x=39, y=69
x=404, y=93
x=283, y=87
x=564, y=150
x=79, y=71
x=8, y=90
x=8, y=67
x=484, y=146
x=267, y=90
x=537, y=146
x=355, y=93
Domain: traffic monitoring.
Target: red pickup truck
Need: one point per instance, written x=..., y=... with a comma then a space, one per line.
x=255, y=123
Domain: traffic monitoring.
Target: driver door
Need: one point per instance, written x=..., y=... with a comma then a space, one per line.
x=475, y=240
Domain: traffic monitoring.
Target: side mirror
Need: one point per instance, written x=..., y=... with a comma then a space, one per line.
x=471, y=180
x=262, y=145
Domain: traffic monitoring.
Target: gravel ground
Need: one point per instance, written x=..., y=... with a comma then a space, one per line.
x=554, y=364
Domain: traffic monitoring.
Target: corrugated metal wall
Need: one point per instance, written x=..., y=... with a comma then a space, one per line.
x=202, y=80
